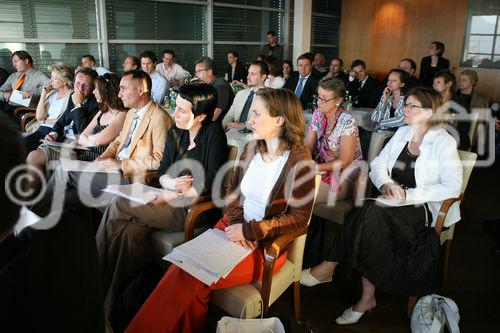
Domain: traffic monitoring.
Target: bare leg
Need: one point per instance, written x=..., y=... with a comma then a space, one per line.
x=36, y=159
x=324, y=271
x=367, y=301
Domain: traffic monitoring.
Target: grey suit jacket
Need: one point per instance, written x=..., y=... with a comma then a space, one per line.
x=35, y=80
x=234, y=113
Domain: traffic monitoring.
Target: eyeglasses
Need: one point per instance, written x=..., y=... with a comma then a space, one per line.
x=82, y=85
x=413, y=106
x=199, y=70
x=323, y=100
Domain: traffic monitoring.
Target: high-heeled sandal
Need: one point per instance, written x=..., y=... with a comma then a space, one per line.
x=350, y=317
x=308, y=280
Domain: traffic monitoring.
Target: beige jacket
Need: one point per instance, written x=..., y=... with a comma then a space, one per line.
x=146, y=148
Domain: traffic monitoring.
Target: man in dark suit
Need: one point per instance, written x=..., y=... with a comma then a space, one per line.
x=49, y=277
x=364, y=89
x=336, y=70
x=410, y=67
x=82, y=107
x=303, y=82
x=235, y=69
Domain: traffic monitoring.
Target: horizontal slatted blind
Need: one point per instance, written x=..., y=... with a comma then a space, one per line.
x=68, y=20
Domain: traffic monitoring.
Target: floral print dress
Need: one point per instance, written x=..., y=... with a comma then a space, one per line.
x=328, y=140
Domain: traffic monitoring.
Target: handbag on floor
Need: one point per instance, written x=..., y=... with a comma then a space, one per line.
x=239, y=325
x=432, y=313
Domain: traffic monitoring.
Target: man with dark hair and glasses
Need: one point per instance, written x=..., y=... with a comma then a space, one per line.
x=205, y=72
x=82, y=107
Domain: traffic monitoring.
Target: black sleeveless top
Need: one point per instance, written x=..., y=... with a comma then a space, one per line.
x=403, y=171
x=93, y=152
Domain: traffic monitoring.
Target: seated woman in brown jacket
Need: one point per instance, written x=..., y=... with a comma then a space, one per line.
x=253, y=215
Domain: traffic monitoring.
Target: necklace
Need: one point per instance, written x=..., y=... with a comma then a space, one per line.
x=267, y=158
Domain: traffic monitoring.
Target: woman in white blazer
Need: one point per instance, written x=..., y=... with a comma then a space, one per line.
x=395, y=248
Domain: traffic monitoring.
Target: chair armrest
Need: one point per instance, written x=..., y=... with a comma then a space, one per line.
x=271, y=253
x=24, y=114
x=194, y=213
x=25, y=119
x=443, y=211
x=22, y=108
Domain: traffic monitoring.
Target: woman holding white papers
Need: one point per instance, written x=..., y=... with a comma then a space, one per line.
x=263, y=210
x=195, y=150
x=396, y=248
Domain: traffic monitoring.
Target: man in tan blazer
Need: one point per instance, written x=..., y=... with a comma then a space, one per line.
x=239, y=111
x=138, y=150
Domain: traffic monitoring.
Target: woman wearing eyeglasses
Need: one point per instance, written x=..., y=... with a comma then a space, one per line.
x=333, y=139
x=395, y=248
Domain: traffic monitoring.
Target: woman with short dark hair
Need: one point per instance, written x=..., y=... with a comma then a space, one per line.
x=194, y=151
x=433, y=63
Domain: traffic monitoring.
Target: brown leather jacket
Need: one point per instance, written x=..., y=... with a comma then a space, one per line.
x=287, y=211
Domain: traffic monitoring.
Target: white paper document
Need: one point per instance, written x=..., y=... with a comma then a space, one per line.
x=82, y=166
x=16, y=97
x=396, y=202
x=137, y=192
x=208, y=257
x=69, y=145
x=26, y=219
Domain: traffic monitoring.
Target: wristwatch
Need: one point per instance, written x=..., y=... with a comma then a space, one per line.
x=180, y=195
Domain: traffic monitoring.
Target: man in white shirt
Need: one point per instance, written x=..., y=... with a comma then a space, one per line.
x=303, y=82
x=160, y=84
x=238, y=113
x=88, y=61
x=171, y=70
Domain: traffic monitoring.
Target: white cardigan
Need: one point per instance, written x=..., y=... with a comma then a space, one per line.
x=438, y=170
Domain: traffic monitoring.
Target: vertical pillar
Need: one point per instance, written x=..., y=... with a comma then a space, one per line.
x=302, y=17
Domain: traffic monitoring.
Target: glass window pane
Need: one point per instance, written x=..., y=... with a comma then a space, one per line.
x=237, y=24
x=11, y=19
x=44, y=54
x=332, y=7
x=497, y=45
x=278, y=4
x=36, y=19
x=483, y=24
x=246, y=54
x=480, y=44
x=185, y=54
x=325, y=30
x=155, y=20
x=476, y=60
x=496, y=61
